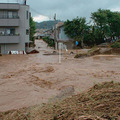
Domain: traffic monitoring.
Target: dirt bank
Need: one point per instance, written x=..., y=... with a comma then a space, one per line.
x=27, y=80
x=101, y=102
x=98, y=51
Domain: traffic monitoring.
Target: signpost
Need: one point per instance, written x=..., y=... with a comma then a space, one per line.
x=60, y=52
x=61, y=48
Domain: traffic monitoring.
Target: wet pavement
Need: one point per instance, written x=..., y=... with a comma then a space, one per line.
x=27, y=80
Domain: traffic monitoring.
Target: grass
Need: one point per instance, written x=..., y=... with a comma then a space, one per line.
x=81, y=55
x=93, y=51
x=101, y=102
x=116, y=45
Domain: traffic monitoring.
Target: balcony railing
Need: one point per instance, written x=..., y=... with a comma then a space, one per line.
x=8, y=39
x=8, y=17
x=9, y=34
x=9, y=22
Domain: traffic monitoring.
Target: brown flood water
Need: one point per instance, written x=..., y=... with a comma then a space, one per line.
x=27, y=80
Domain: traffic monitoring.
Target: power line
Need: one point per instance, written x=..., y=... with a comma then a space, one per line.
x=35, y=11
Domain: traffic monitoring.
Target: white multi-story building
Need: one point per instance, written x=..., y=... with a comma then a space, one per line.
x=14, y=27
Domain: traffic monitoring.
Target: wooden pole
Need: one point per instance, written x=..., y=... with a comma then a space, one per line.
x=55, y=32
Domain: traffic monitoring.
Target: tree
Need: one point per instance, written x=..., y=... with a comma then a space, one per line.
x=89, y=36
x=114, y=23
x=32, y=29
x=75, y=29
x=100, y=20
x=107, y=23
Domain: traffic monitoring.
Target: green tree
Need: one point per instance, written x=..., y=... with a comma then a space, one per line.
x=32, y=29
x=102, y=28
x=114, y=23
x=107, y=23
x=75, y=29
x=89, y=36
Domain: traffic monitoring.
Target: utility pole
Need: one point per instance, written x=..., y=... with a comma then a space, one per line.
x=55, y=32
x=82, y=42
x=25, y=2
x=17, y=1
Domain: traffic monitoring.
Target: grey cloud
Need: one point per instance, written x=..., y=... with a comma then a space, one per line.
x=69, y=9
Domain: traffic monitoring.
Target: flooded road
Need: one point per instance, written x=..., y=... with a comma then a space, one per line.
x=27, y=80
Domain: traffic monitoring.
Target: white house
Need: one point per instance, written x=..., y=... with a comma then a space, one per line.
x=62, y=37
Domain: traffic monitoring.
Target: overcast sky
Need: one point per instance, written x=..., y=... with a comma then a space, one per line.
x=68, y=9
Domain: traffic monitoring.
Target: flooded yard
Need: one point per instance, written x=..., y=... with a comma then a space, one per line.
x=27, y=80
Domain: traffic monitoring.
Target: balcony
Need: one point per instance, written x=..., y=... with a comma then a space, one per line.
x=9, y=21
x=7, y=6
x=9, y=16
x=7, y=39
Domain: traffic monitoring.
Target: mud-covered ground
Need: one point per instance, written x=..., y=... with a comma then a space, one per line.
x=27, y=80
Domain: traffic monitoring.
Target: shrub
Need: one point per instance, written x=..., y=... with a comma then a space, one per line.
x=116, y=45
x=49, y=41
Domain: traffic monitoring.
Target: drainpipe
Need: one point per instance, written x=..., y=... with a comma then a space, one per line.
x=4, y=48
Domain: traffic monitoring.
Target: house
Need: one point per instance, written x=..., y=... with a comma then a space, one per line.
x=62, y=37
x=41, y=33
x=14, y=27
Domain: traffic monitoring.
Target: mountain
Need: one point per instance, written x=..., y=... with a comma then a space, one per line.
x=46, y=24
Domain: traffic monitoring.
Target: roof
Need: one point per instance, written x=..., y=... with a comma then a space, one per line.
x=60, y=24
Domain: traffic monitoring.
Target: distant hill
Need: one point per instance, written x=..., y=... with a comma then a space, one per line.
x=46, y=24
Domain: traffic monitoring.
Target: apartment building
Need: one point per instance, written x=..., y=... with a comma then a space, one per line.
x=14, y=27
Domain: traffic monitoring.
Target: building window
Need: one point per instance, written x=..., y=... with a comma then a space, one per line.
x=15, y=14
x=8, y=14
x=7, y=31
x=5, y=14
x=0, y=49
x=27, y=32
x=27, y=14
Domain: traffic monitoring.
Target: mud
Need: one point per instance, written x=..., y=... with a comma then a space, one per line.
x=27, y=80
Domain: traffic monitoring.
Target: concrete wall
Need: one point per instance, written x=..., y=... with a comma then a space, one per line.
x=9, y=6
x=9, y=39
x=24, y=25
x=64, y=39
x=9, y=22
x=62, y=35
x=9, y=47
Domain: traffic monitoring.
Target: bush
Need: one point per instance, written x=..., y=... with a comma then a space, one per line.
x=116, y=45
x=49, y=41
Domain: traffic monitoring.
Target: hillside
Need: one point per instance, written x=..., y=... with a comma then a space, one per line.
x=101, y=102
x=46, y=24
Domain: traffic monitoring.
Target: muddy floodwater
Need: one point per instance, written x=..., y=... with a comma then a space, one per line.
x=27, y=80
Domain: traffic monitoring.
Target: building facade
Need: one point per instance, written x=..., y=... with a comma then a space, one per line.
x=63, y=38
x=14, y=27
